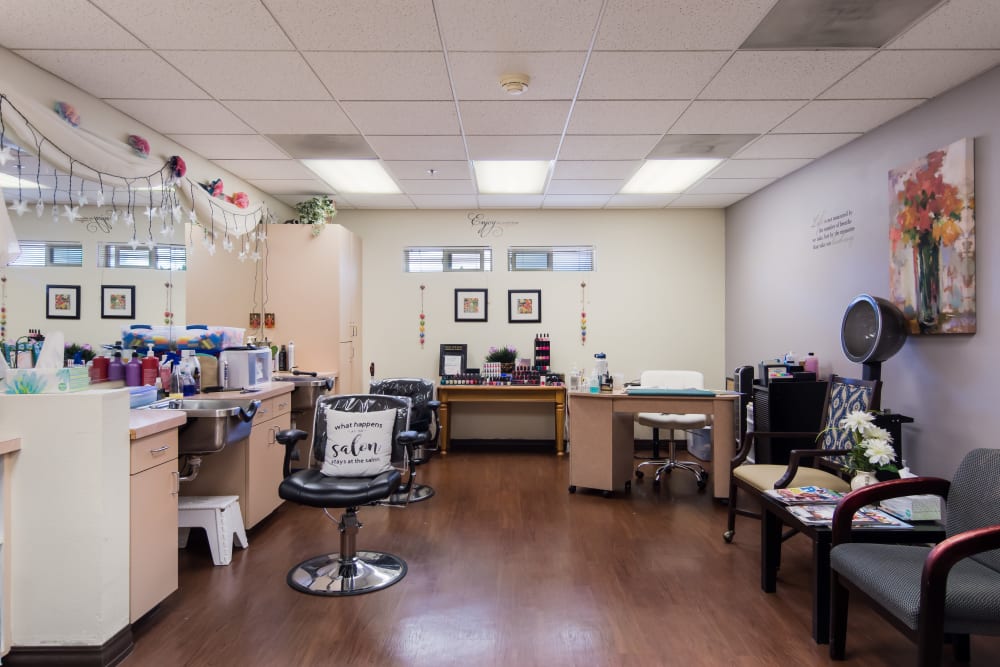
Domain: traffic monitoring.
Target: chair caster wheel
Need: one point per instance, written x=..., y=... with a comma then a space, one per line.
x=572, y=488
x=728, y=536
x=656, y=483
x=607, y=494
x=701, y=484
x=628, y=486
x=639, y=474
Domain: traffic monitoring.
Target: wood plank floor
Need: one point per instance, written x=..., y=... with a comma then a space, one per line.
x=507, y=568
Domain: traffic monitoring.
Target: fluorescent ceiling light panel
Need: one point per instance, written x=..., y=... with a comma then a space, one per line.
x=10, y=182
x=354, y=176
x=511, y=177
x=667, y=176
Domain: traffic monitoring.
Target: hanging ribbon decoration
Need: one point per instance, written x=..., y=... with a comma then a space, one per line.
x=583, y=313
x=3, y=308
x=423, y=318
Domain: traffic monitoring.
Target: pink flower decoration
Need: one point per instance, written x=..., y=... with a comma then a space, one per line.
x=239, y=199
x=177, y=166
x=68, y=113
x=139, y=145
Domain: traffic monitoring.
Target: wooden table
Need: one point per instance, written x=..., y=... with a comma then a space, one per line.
x=603, y=435
x=776, y=514
x=448, y=394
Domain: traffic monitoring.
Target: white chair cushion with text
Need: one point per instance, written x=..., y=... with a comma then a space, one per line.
x=358, y=444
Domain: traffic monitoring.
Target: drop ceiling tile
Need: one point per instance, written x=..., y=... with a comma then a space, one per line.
x=33, y=25
x=250, y=75
x=514, y=117
x=135, y=74
x=266, y=169
x=758, y=168
x=678, y=24
x=418, y=148
x=510, y=201
x=605, y=147
x=417, y=169
x=729, y=186
x=795, y=145
x=476, y=76
x=746, y=117
x=183, y=24
x=518, y=25
x=183, y=116
x=600, y=169
x=575, y=201
x=402, y=75
x=438, y=187
x=920, y=74
x=705, y=201
x=584, y=187
x=640, y=201
x=403, y=118
x=230, y=146
x=304, y=186
x=344, y=25
x=959, y=24
x=624, y=116
x=378, y=201
x=781, y=75
x=324, y=146
x=276, y=117
x=645, y=75
x=538, y=147
x=844, y=115
x=445, y=201
x=699, y=145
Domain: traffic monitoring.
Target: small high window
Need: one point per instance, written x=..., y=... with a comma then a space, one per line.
x=49, y=253
x=551, y=258
x=436, y=259
x=123, y=256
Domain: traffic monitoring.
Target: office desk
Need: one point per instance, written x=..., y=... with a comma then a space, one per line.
x=776, y=513
x=449, y=394
x=601, y=430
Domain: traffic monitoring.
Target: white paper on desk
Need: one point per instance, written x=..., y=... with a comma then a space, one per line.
x=452, y=365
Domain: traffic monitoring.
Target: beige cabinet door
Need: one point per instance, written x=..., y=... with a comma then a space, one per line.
x=264, y=458
x=153, y=537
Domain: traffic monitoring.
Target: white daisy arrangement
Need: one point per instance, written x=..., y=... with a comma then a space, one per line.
x=872, y=448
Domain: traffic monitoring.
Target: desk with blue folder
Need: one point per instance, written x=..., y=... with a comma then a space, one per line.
x=602, y=433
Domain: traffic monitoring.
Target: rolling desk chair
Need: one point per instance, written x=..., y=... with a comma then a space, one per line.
x=659, y=420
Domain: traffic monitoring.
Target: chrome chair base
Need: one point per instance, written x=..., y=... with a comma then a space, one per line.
x=330, y=575
x=417, y=493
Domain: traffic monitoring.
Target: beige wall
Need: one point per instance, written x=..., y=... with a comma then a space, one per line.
x=655, y=300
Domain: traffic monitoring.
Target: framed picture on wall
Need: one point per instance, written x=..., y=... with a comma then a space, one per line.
x=62, y=302
x=470, y=305
x=524, y=305
x=453, y=358
x=118, y=302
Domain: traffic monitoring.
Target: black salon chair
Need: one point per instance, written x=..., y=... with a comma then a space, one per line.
x=424, y=422
x=358, y=464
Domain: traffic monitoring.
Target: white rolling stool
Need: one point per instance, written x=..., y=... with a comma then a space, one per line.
x=221, y=518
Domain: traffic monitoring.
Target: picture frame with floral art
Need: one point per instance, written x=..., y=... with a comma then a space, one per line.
x=524, y=305
x=62, y=302
x=118, y=302
x=471, y=305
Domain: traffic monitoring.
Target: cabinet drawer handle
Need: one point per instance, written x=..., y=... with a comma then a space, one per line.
x=282, y=406
x=159, y=449
x=177, y=483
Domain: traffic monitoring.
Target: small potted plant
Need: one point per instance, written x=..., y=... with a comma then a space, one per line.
x=316, y=212
x=506, y=355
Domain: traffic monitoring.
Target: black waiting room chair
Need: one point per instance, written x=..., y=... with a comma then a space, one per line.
x=950, y=590
x=424, y=421
x=359, y=444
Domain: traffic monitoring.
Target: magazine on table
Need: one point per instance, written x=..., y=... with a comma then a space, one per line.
x=866, y=517
x=805, y=495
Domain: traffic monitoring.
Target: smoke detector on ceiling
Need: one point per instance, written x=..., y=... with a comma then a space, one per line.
x=514, y=84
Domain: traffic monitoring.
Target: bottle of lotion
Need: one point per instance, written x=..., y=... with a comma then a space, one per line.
x=290, y=355
x=133, y=372
x=150, y=368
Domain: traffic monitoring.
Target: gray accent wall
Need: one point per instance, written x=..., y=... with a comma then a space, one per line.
x=783, y=293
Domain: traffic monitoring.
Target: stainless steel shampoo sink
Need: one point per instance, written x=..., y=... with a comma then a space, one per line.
x=212, y=423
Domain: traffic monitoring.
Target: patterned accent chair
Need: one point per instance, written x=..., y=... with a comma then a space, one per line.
x=950, y=590
x=844, y=395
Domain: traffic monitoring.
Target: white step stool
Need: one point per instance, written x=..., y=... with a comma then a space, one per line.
x=220, y=517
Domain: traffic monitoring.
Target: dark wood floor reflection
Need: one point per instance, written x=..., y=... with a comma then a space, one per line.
x=507, y=568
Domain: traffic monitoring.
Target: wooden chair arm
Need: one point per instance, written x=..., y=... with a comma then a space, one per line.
x=944, y=556
x=869, y=495
x=795, y=457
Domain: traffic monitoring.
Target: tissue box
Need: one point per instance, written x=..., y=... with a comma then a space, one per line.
x=46, y=381
x=914, y=508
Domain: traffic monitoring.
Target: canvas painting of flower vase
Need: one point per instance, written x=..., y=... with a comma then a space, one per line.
x=932, y=241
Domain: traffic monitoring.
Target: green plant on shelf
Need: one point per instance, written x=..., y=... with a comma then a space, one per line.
x=505, y=354
x=316, y=211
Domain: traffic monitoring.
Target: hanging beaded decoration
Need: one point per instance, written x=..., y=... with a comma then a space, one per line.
x=583, y=313
x=3, y=308
x=423, y=318
x=168, y=312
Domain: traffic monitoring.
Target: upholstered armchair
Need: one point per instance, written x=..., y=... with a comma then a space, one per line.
x=948, y=591
x=424, y=421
